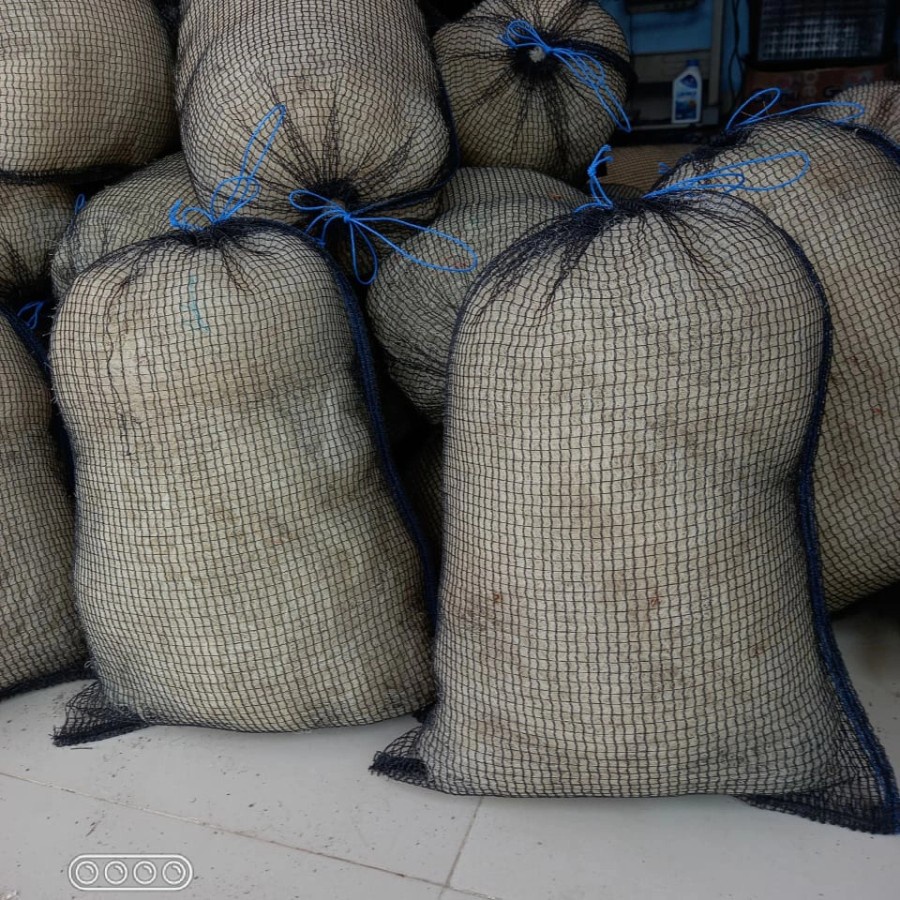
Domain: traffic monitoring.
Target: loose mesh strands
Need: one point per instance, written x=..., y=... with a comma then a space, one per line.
x=40, y=641
x=33, y=219
x=629, y=603
x=130, y=211
x=534, y=83
x=413, y=308
x=365, y=121
x=881, y=107
x=241, y=562
x=85, y=88
x=845, y=214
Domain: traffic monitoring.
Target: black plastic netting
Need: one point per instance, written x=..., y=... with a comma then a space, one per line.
x=881, y=107
x=246, y=557
x=631, y=602
x=844, y=214
x=130, y=211
x=170, y=13
x=365, y=126
x=638, y=166
x=40, y=639
x=524, y=106
x=413, y=308
x=86, y=88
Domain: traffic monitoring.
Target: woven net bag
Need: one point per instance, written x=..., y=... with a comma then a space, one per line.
x=523, y=105
x=413, y=308
x=242, y=560
x=40, y=641
x=881, y=106
x=844, y=213
x=364, y=117
x=84, y=88
x=629, y=603
x=130, y=211
x=638, y=166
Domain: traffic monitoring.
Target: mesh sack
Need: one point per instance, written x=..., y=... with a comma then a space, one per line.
x=40, y=641
x=845, y=213
x=629, y=603
x=125, y=213
x=881, y=107
x=241, y=562
x=413, y=308
x=84, y=88
x=638, y=166
x=528, y=105
x=364, y=122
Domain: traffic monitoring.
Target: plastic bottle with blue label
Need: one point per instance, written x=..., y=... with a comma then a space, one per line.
x=687, y=95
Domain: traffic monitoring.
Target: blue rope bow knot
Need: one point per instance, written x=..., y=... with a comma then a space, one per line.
x=601, y=198
x=365, y=229
x=232, y=194
x=771, y=97
x=585, y=68
x=730, y=178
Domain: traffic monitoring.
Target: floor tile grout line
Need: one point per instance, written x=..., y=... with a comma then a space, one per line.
x=229, y=831
x=463, y=843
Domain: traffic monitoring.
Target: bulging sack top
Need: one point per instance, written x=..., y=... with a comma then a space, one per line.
x=844, y=215
x=536, y=84
x=243, y=562
x=40, y=640
x=630, y=603
x=84, y=87
x=130, y=211
x=364, y=117
x=880, y=103
x=413, y=307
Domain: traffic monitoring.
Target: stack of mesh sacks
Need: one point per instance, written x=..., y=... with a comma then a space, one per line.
x=247, y=557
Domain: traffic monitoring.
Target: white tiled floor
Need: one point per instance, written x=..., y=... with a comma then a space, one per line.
x=278, y=817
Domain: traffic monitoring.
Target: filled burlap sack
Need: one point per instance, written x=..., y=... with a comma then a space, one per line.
x=84, y=88
x=243, y=559
x=629, y=603
x=522, y=105
x=127, y=212
x=413, y=308
x=880, y=103
x=638, y=166
x=845, y=213
x=364, y=119
x=40, y=640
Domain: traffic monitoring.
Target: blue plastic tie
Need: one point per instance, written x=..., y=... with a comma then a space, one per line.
x=771, y=97
x=362, y=228
x=232, y=194
x=31, y=314
x=731, y=178
x=601, y=198
x=585, y=68
x=80, y=203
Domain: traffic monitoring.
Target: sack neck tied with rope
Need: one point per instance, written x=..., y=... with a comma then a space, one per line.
x=522, y=37
x=361, y=228
x=724, y=180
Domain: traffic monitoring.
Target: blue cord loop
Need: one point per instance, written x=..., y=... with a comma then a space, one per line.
x=232, y=194
x=363, y=229
x=601, y=198
x=731, y=178
x=585, y=68
x=30, y=314
x=80, y=203
x=771, y=97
